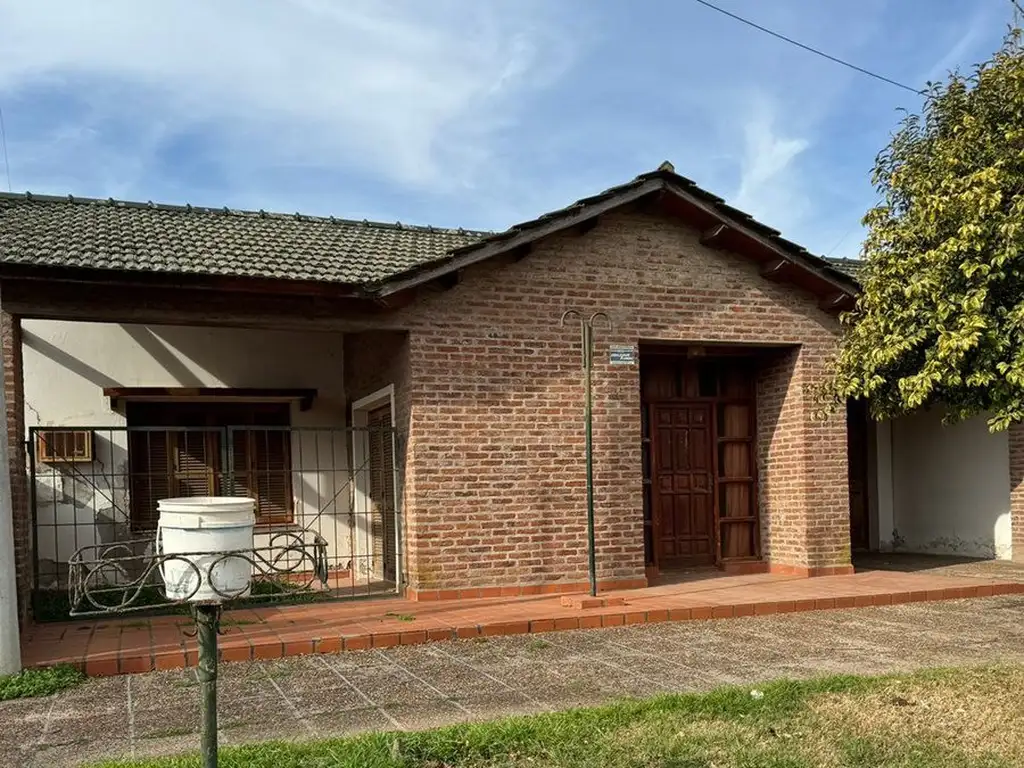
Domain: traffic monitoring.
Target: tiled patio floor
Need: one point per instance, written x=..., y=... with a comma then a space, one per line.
x=135, y=644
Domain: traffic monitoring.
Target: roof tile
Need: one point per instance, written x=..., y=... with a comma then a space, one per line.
x=80, y=232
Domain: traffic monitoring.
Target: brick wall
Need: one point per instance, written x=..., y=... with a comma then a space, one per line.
x=1016, y=438
x=495, y=490
x=10, y=337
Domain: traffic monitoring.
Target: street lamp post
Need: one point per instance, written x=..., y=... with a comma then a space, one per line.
x=587, y=334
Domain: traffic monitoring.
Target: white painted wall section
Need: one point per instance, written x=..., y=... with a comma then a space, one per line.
x=943, y=489
x=67, y=365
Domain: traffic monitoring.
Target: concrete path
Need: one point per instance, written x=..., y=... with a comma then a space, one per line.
x=421, y=686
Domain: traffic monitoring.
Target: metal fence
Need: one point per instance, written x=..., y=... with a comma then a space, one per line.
x=101, y=485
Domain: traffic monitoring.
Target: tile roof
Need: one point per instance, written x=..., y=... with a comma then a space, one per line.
x=851, y=267
x=107, y=234
x=47, y=231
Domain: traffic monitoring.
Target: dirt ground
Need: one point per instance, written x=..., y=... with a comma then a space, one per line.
x=423, y=686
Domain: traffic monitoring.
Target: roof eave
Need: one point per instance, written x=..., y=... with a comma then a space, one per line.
x=523, y=235
x=505, y=243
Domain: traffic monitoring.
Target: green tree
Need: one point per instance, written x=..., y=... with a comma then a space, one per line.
x=941, y=316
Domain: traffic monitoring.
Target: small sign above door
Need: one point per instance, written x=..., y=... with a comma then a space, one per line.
x=621, y=354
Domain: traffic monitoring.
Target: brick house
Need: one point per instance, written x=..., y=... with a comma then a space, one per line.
x=228, y=333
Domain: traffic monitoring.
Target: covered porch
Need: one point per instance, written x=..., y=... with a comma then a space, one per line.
x=135, y=390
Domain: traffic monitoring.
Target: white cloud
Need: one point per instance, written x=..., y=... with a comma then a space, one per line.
x=410, y=92
x=770, y=187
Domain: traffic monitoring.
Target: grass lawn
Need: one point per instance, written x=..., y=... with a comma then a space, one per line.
x=967, y=718
x=39, y=682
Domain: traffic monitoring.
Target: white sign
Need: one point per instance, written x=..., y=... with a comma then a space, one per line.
x=621, y=354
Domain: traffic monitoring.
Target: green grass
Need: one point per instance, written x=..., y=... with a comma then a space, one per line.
x=937, y=719
x=39, y=682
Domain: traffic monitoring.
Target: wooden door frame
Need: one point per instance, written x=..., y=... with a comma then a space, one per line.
x=361, y=408
x=713, y=401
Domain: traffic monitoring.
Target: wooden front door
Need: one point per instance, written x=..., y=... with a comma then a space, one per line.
x=683, y=484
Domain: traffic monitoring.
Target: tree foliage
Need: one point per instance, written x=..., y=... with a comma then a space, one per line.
x=941, y=317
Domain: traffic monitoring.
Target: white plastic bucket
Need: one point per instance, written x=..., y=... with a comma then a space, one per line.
x=205, y=524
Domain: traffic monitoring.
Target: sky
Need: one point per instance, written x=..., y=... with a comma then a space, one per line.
x=471, y=113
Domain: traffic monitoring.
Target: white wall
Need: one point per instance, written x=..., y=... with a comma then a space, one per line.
x=943, y=489
x=67, y=365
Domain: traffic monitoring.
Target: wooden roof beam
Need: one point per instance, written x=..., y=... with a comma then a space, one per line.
x=835, y=302
x=776, y=269
x=712, y=238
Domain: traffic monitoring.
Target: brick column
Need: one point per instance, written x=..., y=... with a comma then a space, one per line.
x=802, y=463
x=1016, y=438
x=14, y=391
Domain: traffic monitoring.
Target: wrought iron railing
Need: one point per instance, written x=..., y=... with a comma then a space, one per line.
x=97, y=487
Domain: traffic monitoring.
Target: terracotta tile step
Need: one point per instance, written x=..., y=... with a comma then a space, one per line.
x=334, y=629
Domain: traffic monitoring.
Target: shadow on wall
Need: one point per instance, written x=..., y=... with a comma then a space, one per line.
x=67, y=360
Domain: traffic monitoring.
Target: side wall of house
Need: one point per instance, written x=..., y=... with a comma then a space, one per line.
x=944, y=489
x=67, y=365
x=495, y=483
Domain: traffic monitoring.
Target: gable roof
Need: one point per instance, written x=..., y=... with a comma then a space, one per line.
x=378, y=258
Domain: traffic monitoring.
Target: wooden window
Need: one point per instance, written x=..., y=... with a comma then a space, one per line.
x=190, y=457
x=64, y=446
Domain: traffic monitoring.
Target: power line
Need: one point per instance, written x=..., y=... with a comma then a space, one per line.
x=3, y=143
x=815, y=51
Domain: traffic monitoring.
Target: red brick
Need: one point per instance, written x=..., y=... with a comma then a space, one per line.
x=101, y=667
x=358, y=642
x=542, y=625
x=267, y=649
x=385, y=639
x=236, y=653
x=328, y=645
x=135, y=664
x=298, y=647
x=413, y=638
x=700, y=613
x=169, y=660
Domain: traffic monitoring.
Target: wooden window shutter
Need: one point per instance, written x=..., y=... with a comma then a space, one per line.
x=262, y=463
x=382, y=490
x=149, y=454
x=188, y=462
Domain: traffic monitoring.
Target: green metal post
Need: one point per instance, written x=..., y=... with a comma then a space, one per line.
x=207, y=626
x=588, y=355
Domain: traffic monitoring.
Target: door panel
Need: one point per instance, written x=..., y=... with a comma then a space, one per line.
x=683, y=484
